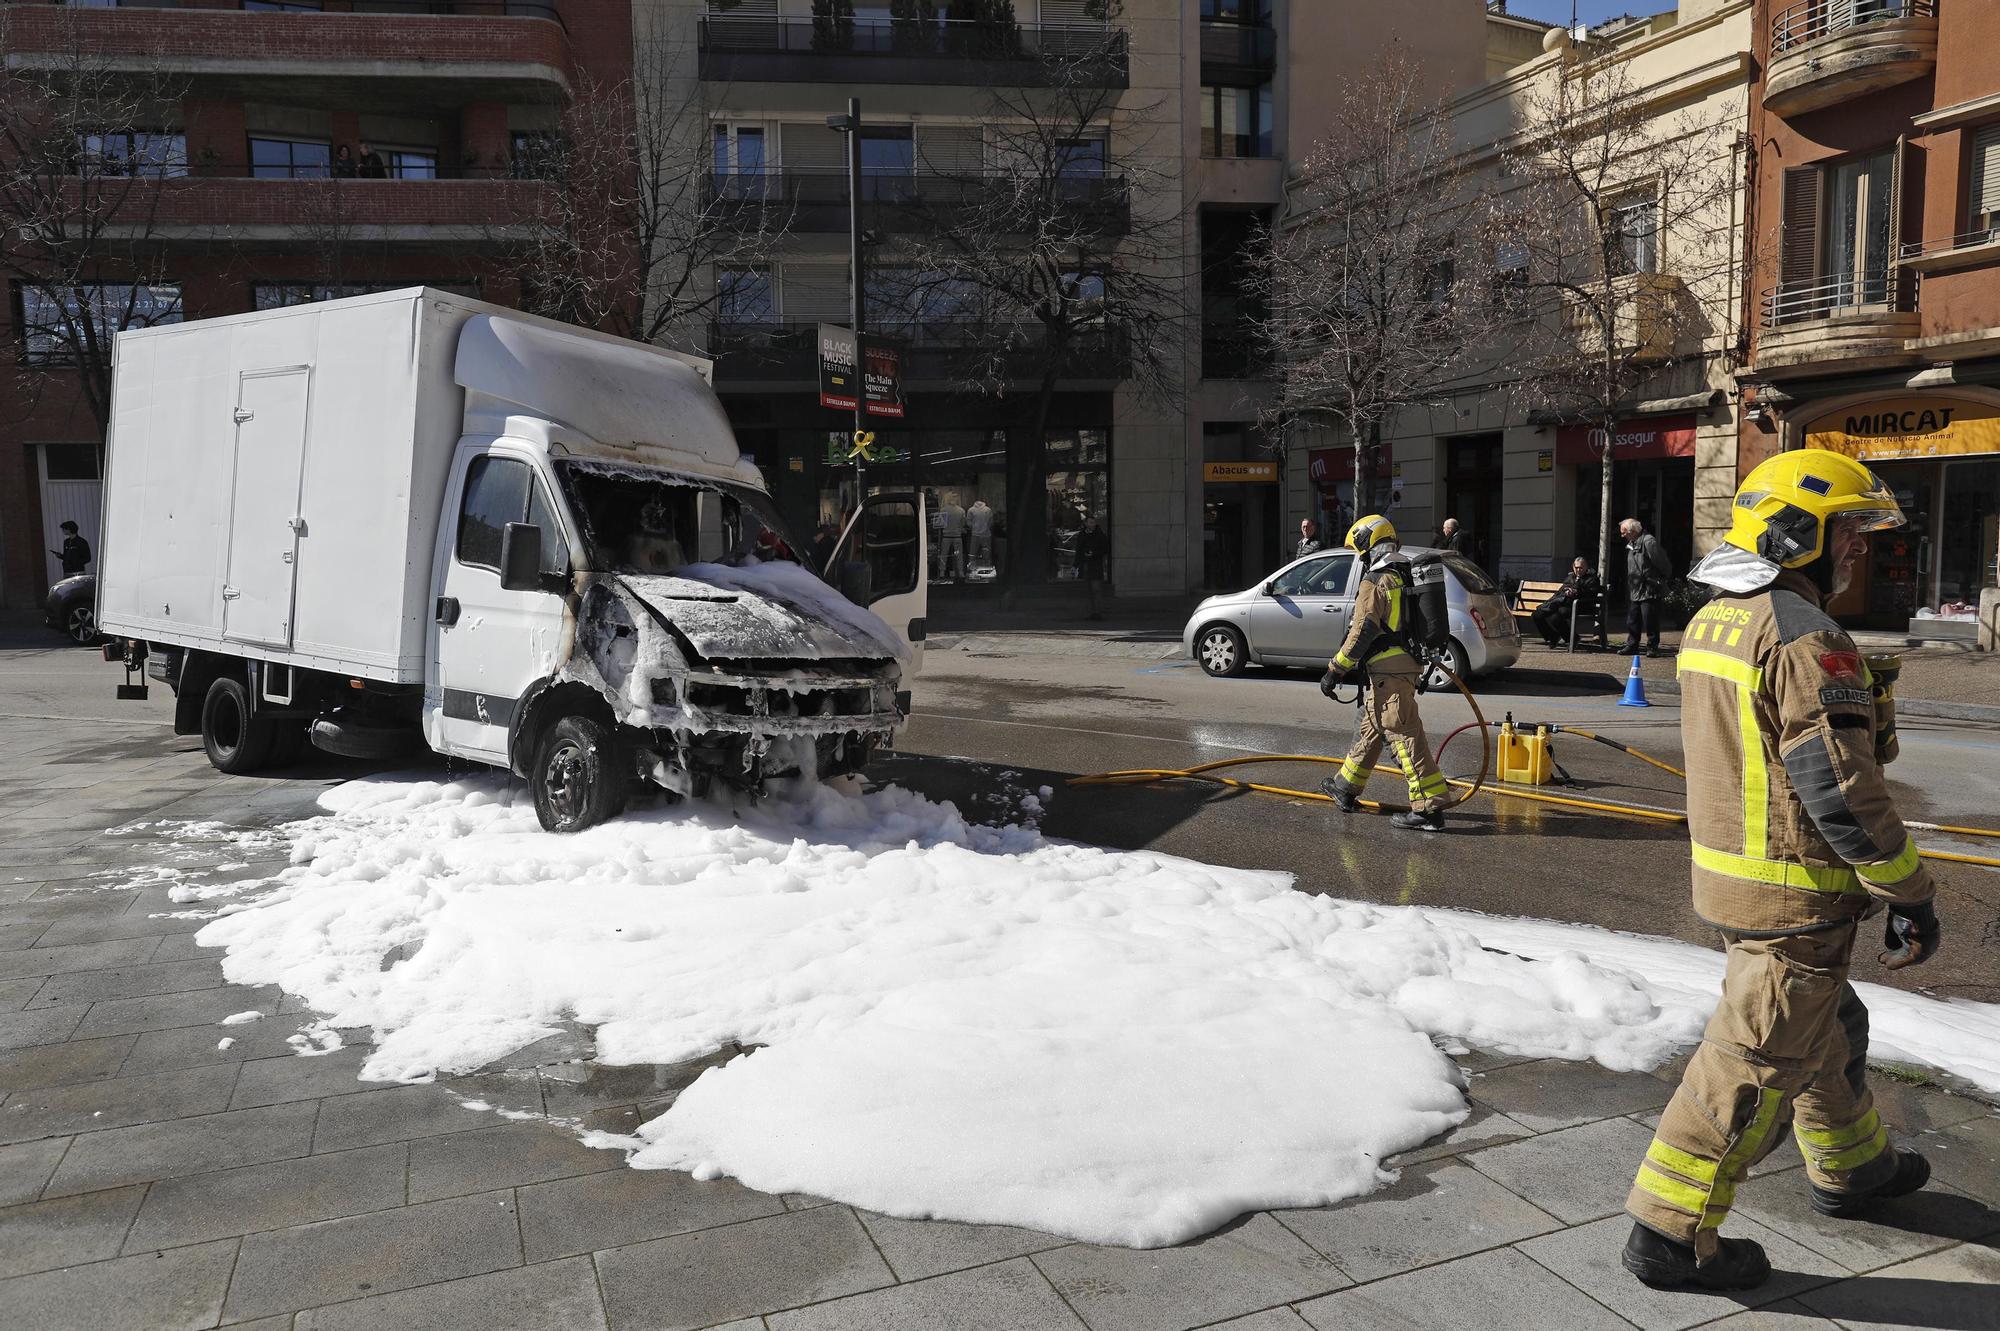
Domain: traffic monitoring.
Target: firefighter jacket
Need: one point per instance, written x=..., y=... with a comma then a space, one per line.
x=1378, y=639
x=1792, y=823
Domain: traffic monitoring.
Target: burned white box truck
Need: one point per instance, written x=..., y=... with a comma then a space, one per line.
x=414, y=517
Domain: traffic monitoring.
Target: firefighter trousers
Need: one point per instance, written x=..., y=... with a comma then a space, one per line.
x=1389, y=713
x=1788, y=1040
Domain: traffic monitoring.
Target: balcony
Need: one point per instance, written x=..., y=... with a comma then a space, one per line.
x=1852, y=321
x=940, y=353
x=1971, y=250
x=1651, y=318
x=1238, y=53
x=436, y=52
x=815, y=201
x=466, y=209
x=761, y=49
x=1829, y=51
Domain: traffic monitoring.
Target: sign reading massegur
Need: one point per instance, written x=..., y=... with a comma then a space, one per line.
x=1885, y=429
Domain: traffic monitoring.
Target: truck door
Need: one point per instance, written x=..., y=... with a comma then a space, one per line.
x=492, y=642
x=881, y=563
x=264, y=518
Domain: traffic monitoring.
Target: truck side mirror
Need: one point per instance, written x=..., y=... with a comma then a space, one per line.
x=521, y=557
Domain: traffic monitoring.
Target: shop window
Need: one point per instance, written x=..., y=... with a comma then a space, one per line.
x=1076, y=467
x=965, y=488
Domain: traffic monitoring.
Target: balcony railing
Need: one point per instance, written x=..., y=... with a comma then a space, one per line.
x=817, y=50
x=1874, y=291
x=1810, y=20
x=809, y=200
x=935, y=350
x=1237, y=50
x=542, y=9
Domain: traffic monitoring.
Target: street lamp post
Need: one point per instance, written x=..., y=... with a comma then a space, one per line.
x=850, y=125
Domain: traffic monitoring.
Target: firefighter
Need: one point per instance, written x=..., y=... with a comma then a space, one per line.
x=1796, y=840
x=1378, y=648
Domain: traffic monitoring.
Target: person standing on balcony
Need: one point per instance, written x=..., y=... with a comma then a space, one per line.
x=372, y=166
x=343, y=163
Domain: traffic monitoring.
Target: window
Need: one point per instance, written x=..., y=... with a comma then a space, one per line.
x=132, y=152
x=499, y=491
x=53, y=327
x=1294, y=581
x=1857, y=229
x=537, y=154
x=1081, y=159
x=1236, y=11
x=289, y=159
x=1509, y=281
x=740, y=162
x=1439, y=278
x=1235, y=122
x=888, y=150
x=1076, y=464
x=1983, y=199
x=1632, y=236
x=284, y=6
x=1839, y=233
x=745, y=296
x=410, y=163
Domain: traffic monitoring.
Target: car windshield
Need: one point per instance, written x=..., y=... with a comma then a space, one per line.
x=644, y=520
x=1470, y=574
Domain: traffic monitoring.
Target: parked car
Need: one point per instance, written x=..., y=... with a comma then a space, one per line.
x=1299, y=616
x=71, y=608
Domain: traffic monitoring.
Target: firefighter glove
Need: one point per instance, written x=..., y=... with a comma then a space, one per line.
x=1912, y=935
x=1331, y=681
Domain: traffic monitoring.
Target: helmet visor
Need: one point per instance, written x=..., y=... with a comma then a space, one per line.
x=1873, y=519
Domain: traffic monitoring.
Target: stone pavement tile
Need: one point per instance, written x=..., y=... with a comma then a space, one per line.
x=114, y=1103
x=504, y=1156
x=1958, y=1289
x=1587, y=1257
x=275, y=1195
x=183, y=1146
x=15, y=994
x=182, y=947
x=392, y=1114
x=382, y=1251
x=1784, y=1156
x=1967, y=1157
x=1894, y=1231
x=25, y=1168
x=70, y=905
x=1557, y=1093
x=1495, y=1291
x=18, y=936
x=1913, y=1109
x=1790, y=1315
x=172, y=977
x=560, y=1296
x=203, y=1007
x=1486, y=1127
x=292, y=1076
x=1247, y=1266
x=714, y=1275
x=1010, y=1296
x=185, y=1046
x=19, y=1030
x=169, y=1291
x=135, y=923
x=794, y=1201
x=917, y=1249
x=624, y=1206
x=65, y=1231
x=1575, y=1175
x=1434, y=1213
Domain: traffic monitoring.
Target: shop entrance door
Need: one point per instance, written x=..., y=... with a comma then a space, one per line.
x=1472, y=494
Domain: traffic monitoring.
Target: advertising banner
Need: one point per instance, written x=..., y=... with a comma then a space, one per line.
x=1908, y=427
x=1640, y=438
x=839, y=368
x=882, y=378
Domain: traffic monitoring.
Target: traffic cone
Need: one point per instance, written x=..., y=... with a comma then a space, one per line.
x=1635, y=688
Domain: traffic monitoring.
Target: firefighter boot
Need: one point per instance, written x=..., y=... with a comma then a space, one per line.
x=1425, y=820
x=1662, y=1263
x=1912, y=1172
x=1344, y=796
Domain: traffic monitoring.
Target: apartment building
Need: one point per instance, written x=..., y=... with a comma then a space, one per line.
x=1875, y=230
x=248, y=184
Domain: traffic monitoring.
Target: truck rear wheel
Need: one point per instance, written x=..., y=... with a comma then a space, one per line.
x=576, y=777
x=236, y=740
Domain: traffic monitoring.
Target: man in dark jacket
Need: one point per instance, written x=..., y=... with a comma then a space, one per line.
x=1093, y=551
x=1646, y=573
x=1580, y=588
x=1455, y=538
x=75, y=552
x=1309, y=541
x=371, y=165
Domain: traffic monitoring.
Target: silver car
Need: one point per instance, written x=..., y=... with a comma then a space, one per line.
x=1299, y=617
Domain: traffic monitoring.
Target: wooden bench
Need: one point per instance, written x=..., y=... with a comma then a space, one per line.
x=1532, y=596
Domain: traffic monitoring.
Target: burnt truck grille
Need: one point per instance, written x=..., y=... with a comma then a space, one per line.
x=788, y=702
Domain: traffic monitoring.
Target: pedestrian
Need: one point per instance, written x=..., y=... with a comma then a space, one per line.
x=1093, y=550
x=1455, y=539
x=1579, y=593
x=371, y=165
x=1309, y=542
x=343, y=163
x=1795, y=839
x=1646, y=572
x=1377, y=650
x=75, y=553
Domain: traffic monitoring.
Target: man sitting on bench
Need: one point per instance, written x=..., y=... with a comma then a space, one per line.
x=1552, y=616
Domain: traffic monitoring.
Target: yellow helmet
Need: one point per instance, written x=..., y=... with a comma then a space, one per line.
x=1370, y=532
x=1784, y=504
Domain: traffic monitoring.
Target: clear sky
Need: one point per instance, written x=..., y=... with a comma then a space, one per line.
x=1587, y=11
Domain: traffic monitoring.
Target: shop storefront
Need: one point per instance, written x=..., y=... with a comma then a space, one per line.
x=1652, y=479
x=1940, y=453
x=1331, y=471
x=1242, y=536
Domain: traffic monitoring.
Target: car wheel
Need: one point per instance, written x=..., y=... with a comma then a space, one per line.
x=236, y=741
x=576, y=778
x=1455, y=660
x=81, y=625
x=1221, y=651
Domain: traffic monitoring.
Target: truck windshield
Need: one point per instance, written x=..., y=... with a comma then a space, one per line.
x=642, y=520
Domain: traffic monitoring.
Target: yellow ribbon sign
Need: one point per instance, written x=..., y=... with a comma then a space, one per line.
x=864, y=446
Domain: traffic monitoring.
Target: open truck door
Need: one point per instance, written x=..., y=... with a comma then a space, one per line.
x=881, y=562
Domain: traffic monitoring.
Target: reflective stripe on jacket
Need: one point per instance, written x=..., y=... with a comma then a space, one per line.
x=1377, y=637
x=1792, y=822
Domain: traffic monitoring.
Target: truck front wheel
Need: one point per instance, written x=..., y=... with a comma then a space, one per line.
x=236, y=740
x=576, y=777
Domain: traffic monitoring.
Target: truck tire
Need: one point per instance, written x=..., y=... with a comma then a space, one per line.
x=576, y=777
x=236, y=741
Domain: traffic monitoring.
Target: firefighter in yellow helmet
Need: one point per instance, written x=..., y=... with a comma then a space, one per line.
x=1378, y=647
x=1796, y=839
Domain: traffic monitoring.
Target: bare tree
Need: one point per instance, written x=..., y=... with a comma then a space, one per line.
x=1614, y=226
x=621, y=215
x=1366, y=307
x=84, y=170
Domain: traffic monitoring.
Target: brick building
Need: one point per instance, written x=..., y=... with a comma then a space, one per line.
x=1875, y=267
x=235, y=178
